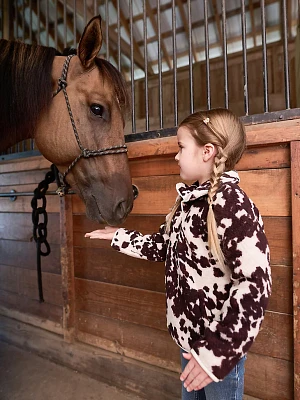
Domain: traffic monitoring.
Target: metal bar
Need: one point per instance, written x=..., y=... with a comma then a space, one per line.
x=191, y=77
x=174, y=64
x=75, y=24
x=2, y=20
x=224, y=31
x=23, y=21
x=55, y=24
x=16, y=30
x=17, y=194
x=207, y=56
x=107, y=29
x=264, y=48
x=96, y=7
x=146, y=66
x=286, y=56
x=65, y=24
x=47, y=22
x=132, y=67
x=30, y=21
x=38, y=23
x=160, y=91
x=84, y=13
x=245, y=65
x=119, y=34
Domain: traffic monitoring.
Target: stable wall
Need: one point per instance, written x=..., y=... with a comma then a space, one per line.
x=107, y=310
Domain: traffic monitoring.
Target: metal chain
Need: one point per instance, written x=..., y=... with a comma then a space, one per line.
x=40, y=228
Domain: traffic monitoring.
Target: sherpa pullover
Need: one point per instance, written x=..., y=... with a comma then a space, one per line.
x=212, y=312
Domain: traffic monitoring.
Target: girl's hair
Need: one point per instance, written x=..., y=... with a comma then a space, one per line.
x=223, y=129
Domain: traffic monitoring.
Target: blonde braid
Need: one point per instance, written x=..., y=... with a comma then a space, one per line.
x=171, y=214
x=213, y=240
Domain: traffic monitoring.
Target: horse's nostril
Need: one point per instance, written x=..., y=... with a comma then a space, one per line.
x=121, y=209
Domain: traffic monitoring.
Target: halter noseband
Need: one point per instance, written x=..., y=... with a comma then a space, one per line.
x=84, y=153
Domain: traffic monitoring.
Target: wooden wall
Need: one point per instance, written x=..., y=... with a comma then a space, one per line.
x=116, y=303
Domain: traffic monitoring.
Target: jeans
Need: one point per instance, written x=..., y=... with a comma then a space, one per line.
x=231, y=388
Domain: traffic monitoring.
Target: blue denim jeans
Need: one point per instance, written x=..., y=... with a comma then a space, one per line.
x=231, y=388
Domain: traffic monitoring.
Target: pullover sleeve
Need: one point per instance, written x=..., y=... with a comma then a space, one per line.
x=244, y=244
x=148, y=247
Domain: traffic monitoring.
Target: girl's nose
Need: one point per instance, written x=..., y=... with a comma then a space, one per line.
x=176, y=157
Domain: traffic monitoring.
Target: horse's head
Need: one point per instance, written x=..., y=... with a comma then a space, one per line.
x=99, y=101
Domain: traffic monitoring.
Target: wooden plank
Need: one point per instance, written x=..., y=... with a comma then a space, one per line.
x=18, y=226
x=157, y=194
x=268, y=377
x=279, y=234
x=23, y=255
x=38, y=321
x=295, y=178
x=22, y=178
x=107, y=265
x=122, y=303
x=29, y=164
x=275, y=338
x=277, y=156
x=23, y=203
x=24, y=282
x=30, y=307
x=67, y=268
x=114, y=369
x=281, y=299
x=257, y=135
x=149, y=345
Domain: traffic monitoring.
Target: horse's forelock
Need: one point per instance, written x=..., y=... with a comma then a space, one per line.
x=25, y=88
x=119, y=84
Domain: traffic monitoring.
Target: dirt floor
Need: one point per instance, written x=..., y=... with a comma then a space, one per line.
x=26, y=376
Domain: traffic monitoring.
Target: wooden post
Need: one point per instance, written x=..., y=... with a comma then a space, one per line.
x=295, y=178
x=67, y=268
x=6, y=19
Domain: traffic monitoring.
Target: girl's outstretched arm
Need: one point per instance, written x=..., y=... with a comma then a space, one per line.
x=107, y=233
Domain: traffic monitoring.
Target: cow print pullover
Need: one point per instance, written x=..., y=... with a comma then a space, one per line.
x=212, y=312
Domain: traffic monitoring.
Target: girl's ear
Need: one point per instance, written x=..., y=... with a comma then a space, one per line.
x=209, y=151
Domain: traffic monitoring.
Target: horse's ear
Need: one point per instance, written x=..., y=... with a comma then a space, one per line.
x=90, y=42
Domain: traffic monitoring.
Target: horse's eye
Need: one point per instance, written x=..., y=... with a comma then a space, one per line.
x=97, y=110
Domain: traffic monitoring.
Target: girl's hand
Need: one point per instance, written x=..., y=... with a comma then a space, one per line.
x=106, y=233
x=194, y=377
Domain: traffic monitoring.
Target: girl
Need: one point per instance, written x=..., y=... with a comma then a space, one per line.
x=216, y=254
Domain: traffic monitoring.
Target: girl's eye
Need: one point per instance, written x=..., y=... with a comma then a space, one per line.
x=97, y=110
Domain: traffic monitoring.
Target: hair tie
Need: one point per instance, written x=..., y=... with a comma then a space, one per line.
x=206, y=120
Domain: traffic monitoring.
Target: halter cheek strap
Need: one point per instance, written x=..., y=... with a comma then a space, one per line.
x=84, y=153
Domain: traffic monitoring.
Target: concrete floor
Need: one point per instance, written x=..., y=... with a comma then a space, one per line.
x=26, y=376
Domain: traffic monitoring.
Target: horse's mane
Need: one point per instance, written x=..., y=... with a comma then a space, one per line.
x=25, y=88
x=119, y=83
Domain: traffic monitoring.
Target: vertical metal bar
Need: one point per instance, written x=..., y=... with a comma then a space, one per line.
x=23, y=21
x=191, y=78
x=107, y=29
x=224, y=31
x=47, y=22
x=245, y=65
x=132, y=67
x=38, y=23
x=174, y=63
x=146, y=66
x=96, y=7
x=264, y=48
x=16, y=33
x=286, y=56
x=65, y=24
x=119, y=34
x=160, y=92
x=207, y=56
x=84, y=13
x=30, y=21
x=75, y=24
x=2, y=20
x=55, y=24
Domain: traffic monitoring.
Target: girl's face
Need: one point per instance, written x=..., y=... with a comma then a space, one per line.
x=195, y=161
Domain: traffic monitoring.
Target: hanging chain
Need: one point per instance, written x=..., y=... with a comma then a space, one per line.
x=40, y=227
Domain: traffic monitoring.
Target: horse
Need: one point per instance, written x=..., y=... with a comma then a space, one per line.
x=75, y=108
